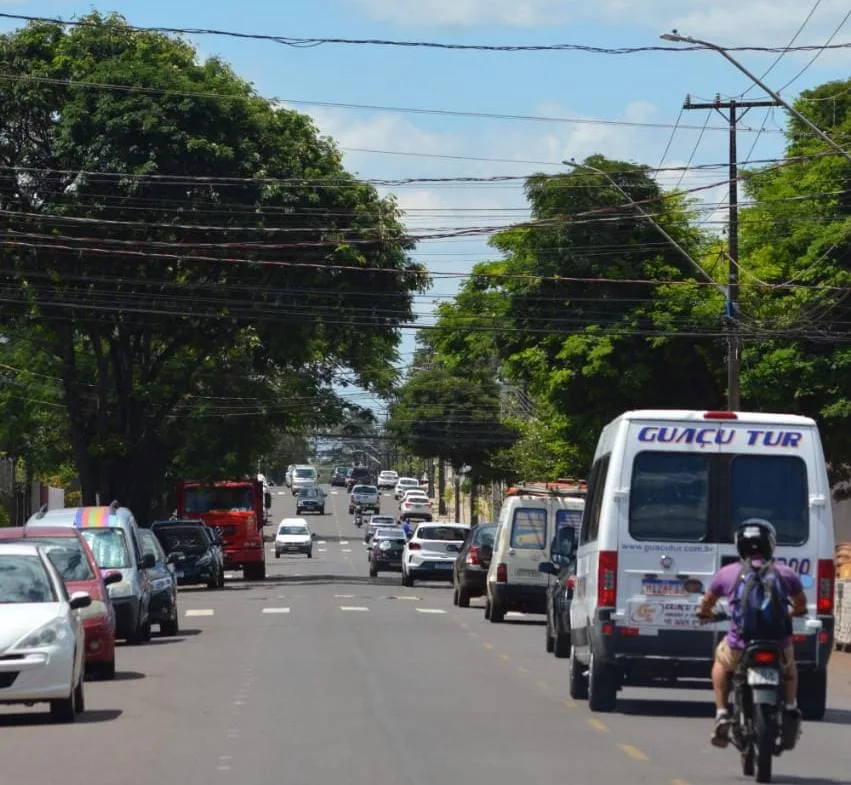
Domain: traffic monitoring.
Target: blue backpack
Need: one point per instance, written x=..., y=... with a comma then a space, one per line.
x=760, y=605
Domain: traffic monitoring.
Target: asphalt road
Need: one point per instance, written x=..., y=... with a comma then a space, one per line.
x=321, y=675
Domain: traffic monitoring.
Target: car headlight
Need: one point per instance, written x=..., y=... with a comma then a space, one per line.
x=160, y=584
x=120, y=589
x=49, y=634
x=206, y=560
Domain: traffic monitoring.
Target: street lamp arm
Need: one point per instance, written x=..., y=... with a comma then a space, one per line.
x=659, y=228
x=686, y=39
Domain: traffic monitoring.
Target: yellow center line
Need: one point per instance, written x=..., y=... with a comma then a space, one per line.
x=487, y=646
x=568, y=703
x=633, y=752
x=522, y=669
x=505, y=657
x=597, y=725
x=473, y=634
x=544, y=686
x=680, y=782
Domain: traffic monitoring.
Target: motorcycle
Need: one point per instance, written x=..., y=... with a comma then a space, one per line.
x=757, y=720
x=359, y=516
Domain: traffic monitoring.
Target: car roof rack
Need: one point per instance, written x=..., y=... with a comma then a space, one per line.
x=563, y=488
x=42, y=511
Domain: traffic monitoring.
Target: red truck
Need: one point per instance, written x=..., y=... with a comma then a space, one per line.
x=238, y=509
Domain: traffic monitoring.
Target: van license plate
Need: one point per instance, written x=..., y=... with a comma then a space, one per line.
x=763, y=677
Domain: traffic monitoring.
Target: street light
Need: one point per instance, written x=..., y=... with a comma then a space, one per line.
x=650, y=218
x=686, y=39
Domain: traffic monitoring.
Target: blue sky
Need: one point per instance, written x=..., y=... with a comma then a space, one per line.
x=636, y=88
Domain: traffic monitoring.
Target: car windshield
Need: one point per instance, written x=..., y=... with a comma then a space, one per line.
x=182, y=538
x=365, y=489
x=292, y=530
x=23, y=579
x=387, y=521
x=310, y=492
x=69, y=558
x=441, y=533
x=219, y=499
x=485, y=535
x=304, y=473
x=389, y=534
x=108, y=546
x=409, y=482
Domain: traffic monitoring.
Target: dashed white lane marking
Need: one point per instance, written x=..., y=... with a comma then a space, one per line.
x=344, y=596
x=516, y=615
x=412, y=599
x=276, y=610
x=321, y=542
x=360, y=608
x=429, y=610
x=344, y=542
x=200, y=612
x=322, y=550
x=347, y=550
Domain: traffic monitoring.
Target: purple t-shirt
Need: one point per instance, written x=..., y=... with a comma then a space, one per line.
x=724, y=585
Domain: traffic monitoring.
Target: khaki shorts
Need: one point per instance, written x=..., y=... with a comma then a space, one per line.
x=729, y=658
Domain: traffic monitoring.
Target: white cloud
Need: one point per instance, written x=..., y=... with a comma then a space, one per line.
x=731, y=22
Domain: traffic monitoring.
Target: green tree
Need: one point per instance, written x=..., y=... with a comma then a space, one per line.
x=796, y=254
x=592, y=312
x=188, y=252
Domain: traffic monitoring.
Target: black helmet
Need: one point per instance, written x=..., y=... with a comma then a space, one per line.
x=756, y=539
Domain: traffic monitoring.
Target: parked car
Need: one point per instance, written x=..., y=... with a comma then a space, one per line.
x=562, y=569
x=76, y=564
x=387, y=480
x=431, y=551
x=471, y=566
x=386, y=551
x=366, y=497
x=113, y=536
x=164, y=610
x=294, y=536
x=194, y=549
x=310, y=498
x=41, y=633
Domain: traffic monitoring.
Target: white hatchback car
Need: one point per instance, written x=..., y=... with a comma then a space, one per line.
x=42, y=641
x=405, y=484
x=415, y=504
x=293, y=536
x=431, y=552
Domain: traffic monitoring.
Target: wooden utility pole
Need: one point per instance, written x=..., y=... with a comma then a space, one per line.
x=736, y=110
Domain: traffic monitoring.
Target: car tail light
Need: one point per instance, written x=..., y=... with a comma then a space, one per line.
x=607, y=579
x=253, y=542
x=473, y=555
x=825, y=579
x=502, y=573
x=765, y=657
x=414, y=546
x=570, y=582
x=720, y=416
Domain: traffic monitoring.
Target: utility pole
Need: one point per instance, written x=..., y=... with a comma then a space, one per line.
x=736, y=110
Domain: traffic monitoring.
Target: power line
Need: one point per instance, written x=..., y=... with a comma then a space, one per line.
x=308, y=43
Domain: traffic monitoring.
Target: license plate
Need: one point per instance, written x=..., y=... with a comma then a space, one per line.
x=527, y=572
x=179, y=573
x=759, y=677
x=443, y=565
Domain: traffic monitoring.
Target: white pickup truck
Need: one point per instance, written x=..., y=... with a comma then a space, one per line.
x=366, y=497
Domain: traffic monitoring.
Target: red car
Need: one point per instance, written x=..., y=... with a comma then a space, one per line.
x=76, y=564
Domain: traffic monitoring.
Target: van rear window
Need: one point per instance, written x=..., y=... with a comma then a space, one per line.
x=529, y=528
x=773, y=487
x=669, y=498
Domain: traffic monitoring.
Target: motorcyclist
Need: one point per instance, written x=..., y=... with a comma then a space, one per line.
x=755, y=540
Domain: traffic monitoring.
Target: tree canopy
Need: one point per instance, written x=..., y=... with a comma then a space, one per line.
x=190, y=263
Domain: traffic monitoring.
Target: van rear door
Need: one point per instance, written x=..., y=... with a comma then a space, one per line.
x=668, y=550
x=528, y=542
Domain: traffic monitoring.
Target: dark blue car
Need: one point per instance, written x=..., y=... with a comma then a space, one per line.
x=194, y=550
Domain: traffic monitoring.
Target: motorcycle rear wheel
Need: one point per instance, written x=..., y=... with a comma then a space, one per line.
x=765, y=725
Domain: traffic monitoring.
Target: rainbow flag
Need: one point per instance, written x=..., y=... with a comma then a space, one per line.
x=92, y=518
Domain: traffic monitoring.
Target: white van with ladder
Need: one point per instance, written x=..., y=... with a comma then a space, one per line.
x=667, y=490
x=529, y=521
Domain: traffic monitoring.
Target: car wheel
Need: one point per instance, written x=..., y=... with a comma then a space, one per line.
x=322, y=512
x=277, y=554
x=561, y=644
x=80, y=697
x=463, y=596
x=104, y=670
x=576, y=681
x=497, y=612
x=407, y=580
x=170, y=628
x=487, y=609
x=549, y=643
x=455, y=596
x=602, y=686
x=310, y=554
x=812, y=694
x=373, y=570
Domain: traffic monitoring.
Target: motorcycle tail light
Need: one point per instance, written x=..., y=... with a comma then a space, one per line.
x=765, y=657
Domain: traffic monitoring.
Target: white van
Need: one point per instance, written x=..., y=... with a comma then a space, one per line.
x=303, y=475
x=666, y=492
x=526, y=529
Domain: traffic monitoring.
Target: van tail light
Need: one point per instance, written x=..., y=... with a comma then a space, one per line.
x=765, y=657
x=825, y=579
x=253, y=542
x=473, y=555
x=414, y=546
x=720, y=416
x=570, y=582
x=502, y=573
x=607, y=579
